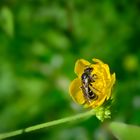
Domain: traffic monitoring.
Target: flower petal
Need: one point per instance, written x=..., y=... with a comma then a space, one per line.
x=107, y=71
x=97, y=61
x=113, y=76
x=80, y=66
x=103, y=66
x=76, y=92
x=113, y=80
x=99, y=102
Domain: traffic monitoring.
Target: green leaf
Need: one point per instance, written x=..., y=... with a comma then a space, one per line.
x=7, y=22
x=124, y=131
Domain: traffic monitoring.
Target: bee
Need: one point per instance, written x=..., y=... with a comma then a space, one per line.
x=87, y=80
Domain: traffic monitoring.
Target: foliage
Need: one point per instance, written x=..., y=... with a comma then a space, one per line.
x=40, y=40
x=124, y=131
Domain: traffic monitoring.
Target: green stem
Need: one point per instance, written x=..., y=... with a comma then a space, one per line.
x=47, y=124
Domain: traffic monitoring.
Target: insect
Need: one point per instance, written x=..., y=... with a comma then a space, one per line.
x=87, y=80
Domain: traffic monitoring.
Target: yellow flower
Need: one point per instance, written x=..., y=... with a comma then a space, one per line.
x=93, y=90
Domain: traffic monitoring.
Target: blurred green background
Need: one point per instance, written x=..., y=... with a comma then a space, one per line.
x=40, y=40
